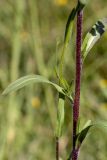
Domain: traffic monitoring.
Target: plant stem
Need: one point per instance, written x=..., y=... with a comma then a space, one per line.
x=57, y=148
x=77, y=83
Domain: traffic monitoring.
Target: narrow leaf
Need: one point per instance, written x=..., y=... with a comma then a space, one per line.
x=67, y=37
x=93, y=36
x=60, y=115
x=83, y=133
x=70, y=22
x=26, y=80
x=68, y=33
x=69, y=26
x=64, y=83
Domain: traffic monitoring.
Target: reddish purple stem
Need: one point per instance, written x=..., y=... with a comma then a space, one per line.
x=77, y=82
x=75, y=154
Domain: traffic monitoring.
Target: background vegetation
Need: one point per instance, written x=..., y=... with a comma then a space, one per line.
x=30, y=30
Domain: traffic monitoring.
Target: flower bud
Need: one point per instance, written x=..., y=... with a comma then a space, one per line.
x=84, y=2
x=81, y=4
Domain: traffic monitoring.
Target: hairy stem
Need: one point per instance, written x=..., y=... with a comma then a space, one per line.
x=77, y=82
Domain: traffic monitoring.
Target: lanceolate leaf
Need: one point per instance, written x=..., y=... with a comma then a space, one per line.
x=82, y=135
x=67, y=37
x=69, y=26
x=64, y=83
x=93, y=36
x=60, y=115
x=24, y=81
x=68, y=33
x=70, y=22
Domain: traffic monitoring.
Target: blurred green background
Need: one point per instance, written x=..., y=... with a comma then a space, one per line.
x=30, y=30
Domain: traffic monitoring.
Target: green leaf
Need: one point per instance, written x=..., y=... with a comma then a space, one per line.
x=26, y=80
x=70, y=21
x=93, y=36
x=83, y=133
x=67, y=37
x=64, y=83
x=68, y=33
x=69, y=26
x=60, y=115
